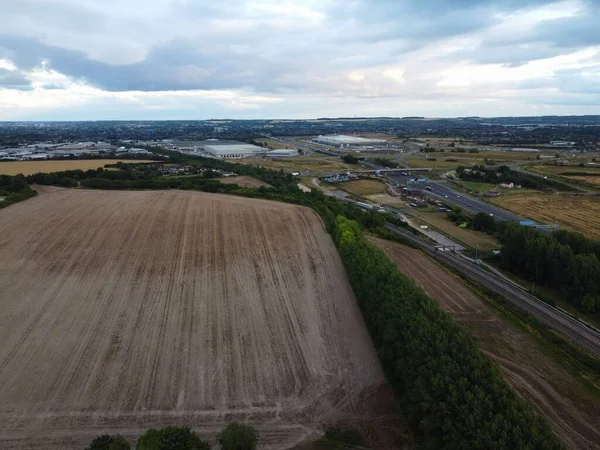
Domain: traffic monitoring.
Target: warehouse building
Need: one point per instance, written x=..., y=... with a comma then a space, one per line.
x=233, y=151
x=282, y=153
x=339, y=140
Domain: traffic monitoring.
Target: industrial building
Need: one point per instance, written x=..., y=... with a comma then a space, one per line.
x=282, y=153
x=339, y=140
x=233, y=151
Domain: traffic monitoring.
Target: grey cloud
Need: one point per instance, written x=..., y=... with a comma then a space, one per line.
x=14, y=80
x=571, y=32
x=259, y=54
x=172, y=66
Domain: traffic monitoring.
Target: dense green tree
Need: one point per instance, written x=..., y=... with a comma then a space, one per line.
x=565, y=261
x=171, y=438
x=107, y=442
x=590, y=303
x=237, y=436
x=483, y=222
x=350, y=159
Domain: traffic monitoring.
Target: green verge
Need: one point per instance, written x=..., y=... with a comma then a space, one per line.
x=453, y=395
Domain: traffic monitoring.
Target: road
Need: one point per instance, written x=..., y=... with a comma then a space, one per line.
x=464, y=201
x=580, y=333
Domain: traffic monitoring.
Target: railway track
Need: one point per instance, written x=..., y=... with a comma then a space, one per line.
x=582, y=334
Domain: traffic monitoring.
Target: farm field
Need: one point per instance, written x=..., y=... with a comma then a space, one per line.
x=482, y=155
x=439, y=164
x=573, y=411
x=595, y=180
x=362, y=187
x=273, y=144
x=126, y=310
x=31, y=167
x=590, y=175
x=578, y=213
x=244, y=181
x=317, y=164
x=557, y=170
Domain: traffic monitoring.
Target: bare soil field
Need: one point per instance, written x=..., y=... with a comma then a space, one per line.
x=31, y=167
x=573, y=411
x=121, y=311
x=574, y=212
x=244, y=181
x=387, y=199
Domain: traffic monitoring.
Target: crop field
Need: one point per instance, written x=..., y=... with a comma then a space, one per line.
x=558, y=170
x=578, y=213
x=31, y=167
x=362, y=187
x=556, y=392
x=588, y=175
x=123, y=311
x=482, y=155
x=593, y=180
x=440, y=163
x=317, y=164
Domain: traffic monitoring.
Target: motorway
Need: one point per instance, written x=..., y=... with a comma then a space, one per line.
x=464, y=201
x=585, y=336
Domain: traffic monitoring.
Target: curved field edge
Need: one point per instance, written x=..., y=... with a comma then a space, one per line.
x=124, y=311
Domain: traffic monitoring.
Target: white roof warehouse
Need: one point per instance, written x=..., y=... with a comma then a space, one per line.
x=233, y=151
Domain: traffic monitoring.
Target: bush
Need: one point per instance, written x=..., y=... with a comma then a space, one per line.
x=345, y=436
x=171, y=438
x=238, y=436
x=106, y=442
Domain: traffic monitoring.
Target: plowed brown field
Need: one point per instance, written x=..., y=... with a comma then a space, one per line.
x=121, y=311
x=573, y=411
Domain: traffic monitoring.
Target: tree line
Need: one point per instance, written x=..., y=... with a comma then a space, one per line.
x=566, y=261
x=14, y=189
x=235, y=436
x=453, y=396
x=505, y=174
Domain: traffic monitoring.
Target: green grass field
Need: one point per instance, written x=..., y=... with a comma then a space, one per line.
x=363, y=187
x=477, y=187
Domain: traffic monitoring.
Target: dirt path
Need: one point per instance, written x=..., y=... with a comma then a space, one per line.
x=573, y=411
x=122, y=311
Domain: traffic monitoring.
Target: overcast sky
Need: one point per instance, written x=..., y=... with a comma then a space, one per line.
x=191, y=59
